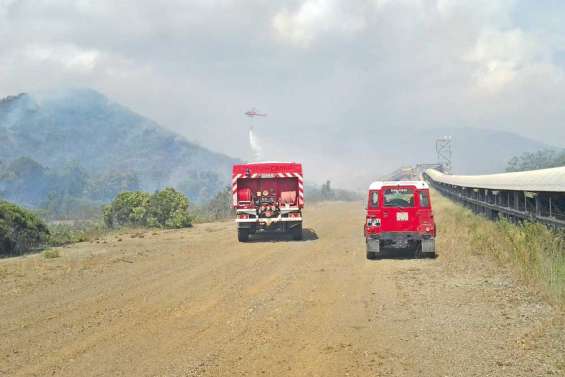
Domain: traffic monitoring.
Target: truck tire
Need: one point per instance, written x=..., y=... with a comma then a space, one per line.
x=297, y=233
x=243, y=234
x=371, y=255
x=428, y=248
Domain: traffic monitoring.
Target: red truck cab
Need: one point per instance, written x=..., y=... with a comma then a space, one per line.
x=268, y=196
x=399, y=215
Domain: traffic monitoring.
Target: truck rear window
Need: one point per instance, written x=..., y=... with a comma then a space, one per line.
x=424, y=199
x=399, y=197
x=375, y=199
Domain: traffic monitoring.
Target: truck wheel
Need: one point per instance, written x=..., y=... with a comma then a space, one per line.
x=428, y=248
x=297, y=233
x=243, y=235
x=371, y=255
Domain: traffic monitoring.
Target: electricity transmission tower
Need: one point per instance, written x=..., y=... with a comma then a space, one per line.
x=444, y=153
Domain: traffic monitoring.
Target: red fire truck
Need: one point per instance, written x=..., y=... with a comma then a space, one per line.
x=399, y=215
x=268, y=196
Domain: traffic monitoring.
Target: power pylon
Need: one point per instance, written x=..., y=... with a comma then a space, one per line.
x=444, y=153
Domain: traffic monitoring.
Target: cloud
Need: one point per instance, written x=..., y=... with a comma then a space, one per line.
x=330, y=71
x=314, y=18
x=67, y=56
x=501, y=56
x=504, y=57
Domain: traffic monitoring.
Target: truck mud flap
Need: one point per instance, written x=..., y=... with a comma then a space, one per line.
x=373, y=246
x=429, y=248
x=373, y=249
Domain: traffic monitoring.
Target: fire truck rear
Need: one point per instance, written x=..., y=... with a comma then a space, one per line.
x=268, y=196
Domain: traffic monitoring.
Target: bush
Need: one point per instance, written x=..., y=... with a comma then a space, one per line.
x=20, y=230
x=128, y=208
x=51, y=253
x=169, y=209
x=163, y=209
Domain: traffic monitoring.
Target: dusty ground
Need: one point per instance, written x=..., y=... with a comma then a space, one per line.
x=197, y=303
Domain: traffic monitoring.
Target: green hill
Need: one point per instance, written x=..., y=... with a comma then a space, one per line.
x=84, y=129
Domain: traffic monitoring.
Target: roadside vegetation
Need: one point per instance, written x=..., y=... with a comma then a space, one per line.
x=61, y=234
x=326, y=192
x=162, y=209
x=547, y=158
x=71, y=192
x=20, y=230
x=51, y=253
x=218, y=208
x=534, y=252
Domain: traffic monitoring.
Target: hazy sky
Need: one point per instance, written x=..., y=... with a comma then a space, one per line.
x=318, y=67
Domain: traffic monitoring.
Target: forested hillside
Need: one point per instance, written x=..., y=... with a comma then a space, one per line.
x=542, y=159
x=79, y=145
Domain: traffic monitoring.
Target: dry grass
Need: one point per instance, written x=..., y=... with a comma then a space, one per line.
x=535, y=253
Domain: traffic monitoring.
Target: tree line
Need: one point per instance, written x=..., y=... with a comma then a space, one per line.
x=70, y=192
x=326, y=192
x=546, y=158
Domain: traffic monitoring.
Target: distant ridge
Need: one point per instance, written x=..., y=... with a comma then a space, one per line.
x=84, y=127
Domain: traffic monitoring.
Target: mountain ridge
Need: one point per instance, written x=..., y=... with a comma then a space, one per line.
x=84, y=126
x=81, y=147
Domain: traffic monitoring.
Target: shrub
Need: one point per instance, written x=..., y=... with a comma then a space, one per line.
x=128, y=208
x=51, y=253
x=108, y=216
x=169, y=209
x=163, y=209
x=20, y=230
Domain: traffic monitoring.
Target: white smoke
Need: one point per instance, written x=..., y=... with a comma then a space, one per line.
x=254, y=143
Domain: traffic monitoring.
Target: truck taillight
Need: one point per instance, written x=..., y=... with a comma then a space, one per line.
x=373, y=221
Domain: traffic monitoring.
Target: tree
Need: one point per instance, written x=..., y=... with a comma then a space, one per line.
x=169, y=208
x=201, y=186
x=128, y=208
x=20, y=230
x=106, y=187
x=326, y=191
x=220, y=207
x=164, y=209
x=546, y=158
x=72, y=180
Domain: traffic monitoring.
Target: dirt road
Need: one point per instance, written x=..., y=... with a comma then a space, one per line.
x=197, y=303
